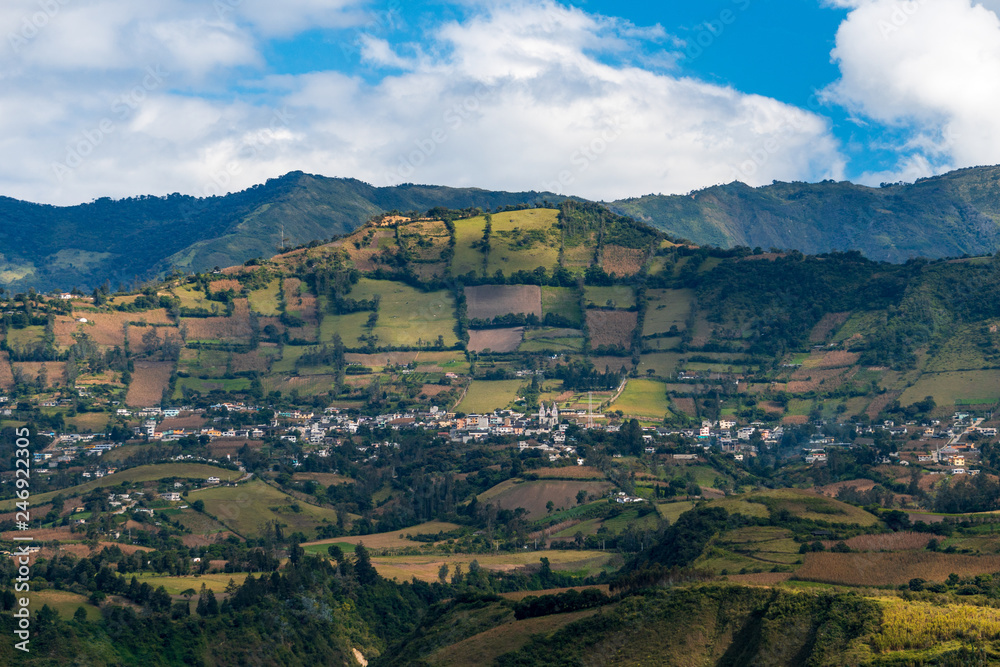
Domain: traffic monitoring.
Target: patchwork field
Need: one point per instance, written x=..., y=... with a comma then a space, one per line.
x=426, y=568
x=892, y=568
x=149, y=381
x=487, y=396
x=485, y=302
x=246, y=508
x=611, y=328
x=533, y=496
x=620, y=261
x=486, y=647
x=408, y=317
x=55, y=371
x=666, y=308
x=194, y=471
x=618, y=296
x=643, y=399
x=562, y=301
x=496, y=340
x=956, y=388
x=350, y=327
x=524, y=240
x=109, y=328
x=266, y=301
x=6, y=374
x=397, y=539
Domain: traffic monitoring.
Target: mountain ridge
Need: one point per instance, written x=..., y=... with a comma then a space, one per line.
x=131, y=240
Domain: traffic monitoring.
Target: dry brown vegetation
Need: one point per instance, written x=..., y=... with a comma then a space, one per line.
x=622, y=261
x=184, y=420
x=251, y=361
x=891, y=568
x=148, y=382
x=685, y=405
x=301, y=304
x=497, y=340
x=833, y=489
x=901, y=541
x=64, y=327
x=611, y=327
x=55, y=371
x=224, y=285
x=485, y=302
x=109, y=328
x=533, y=496
x=6, y=375
x=880, y=402
x=235, y=327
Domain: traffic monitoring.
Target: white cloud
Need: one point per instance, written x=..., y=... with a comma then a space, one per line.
x=517, y=96
x=931, y=67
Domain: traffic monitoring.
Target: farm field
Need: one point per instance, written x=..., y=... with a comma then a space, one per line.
x=196, y=471
x=663, y=364
x=644, y=399
x=210, y=363
x=552, y=340
x=812, y=506
x=6, y=374
x=666, y=308
x=425, y=568
x=350, y=327
x=533, y=496
x=496, y=340
x=64, y=603
x=467, y=257
x=892, y=568
x=200, y=386
x=486, y=647
x=955, y=388
x=266, y=301
x=245, y=509
x=621, y=261
x=149, y=381
x=108, y=328
x=562, y=301
x=408, y=317
x=523, y=240
x=610, y=328
x=757, y=548
x=485, y=302
x=176, y=585
x=618, y=296
x=489, y=395
x=55, y=371
x=396, y=539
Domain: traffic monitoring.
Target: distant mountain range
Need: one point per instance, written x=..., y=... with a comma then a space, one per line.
x=49, y=247
x=946, y=216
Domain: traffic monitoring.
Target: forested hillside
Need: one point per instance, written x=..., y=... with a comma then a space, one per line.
x=945, y=216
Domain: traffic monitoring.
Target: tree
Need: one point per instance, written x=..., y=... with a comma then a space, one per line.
x=581, y=497
x=443, y=572
x=549, y=506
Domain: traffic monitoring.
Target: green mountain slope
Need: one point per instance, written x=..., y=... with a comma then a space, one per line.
x=945, y=216
x=49, y=247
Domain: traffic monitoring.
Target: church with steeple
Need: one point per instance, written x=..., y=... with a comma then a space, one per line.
x=548, y=418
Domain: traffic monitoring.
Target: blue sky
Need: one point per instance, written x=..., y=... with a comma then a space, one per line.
x=590, y=97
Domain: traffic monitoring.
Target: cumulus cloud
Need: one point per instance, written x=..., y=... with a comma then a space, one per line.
x=512, y=95
x=931, y=67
